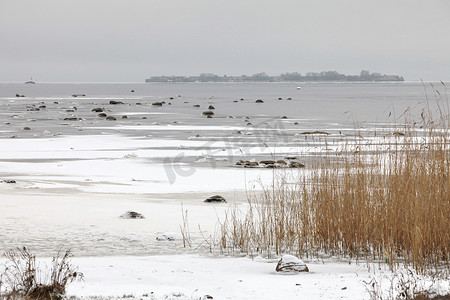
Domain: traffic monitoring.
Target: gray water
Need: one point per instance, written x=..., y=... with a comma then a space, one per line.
x=317, y=106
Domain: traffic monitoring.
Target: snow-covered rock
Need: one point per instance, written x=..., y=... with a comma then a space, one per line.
x=132, y=215
x=291, y=264
x=216, y=198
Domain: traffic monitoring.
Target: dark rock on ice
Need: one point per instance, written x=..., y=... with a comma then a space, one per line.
x=8, y=181
x=72, y=119
x=110, y=118
x=208, y=113
x=102, y=115
x=132, y=215
x=215, y=199
x=295, y=164
x=251, y=164
x=113, y=102
x=291, y=264
x=211, y=107
x=97, y=109
x=259, y=101
x=267, y=162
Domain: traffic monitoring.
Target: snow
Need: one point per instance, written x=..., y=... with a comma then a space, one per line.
x=221, y=277
x=72, y=189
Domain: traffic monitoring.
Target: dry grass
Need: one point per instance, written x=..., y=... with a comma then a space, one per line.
x=388, y=200
x=23, y=278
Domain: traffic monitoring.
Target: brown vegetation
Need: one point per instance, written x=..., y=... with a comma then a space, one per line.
x=388, y=201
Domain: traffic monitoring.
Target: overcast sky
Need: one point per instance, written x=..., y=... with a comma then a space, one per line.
x=126, y=41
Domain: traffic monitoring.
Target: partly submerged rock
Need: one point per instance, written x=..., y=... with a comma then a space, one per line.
x=215, y=199
x=267, y=162
x=291, y=264
x=315, y=132
x=296, y=164
x=132, y=215
x=8, y=181
x=208, y=113
x=113, y=102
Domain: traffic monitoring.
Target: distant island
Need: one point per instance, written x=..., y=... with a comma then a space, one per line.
x=333, y=76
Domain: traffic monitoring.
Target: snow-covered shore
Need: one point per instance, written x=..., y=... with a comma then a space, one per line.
x=74, y=179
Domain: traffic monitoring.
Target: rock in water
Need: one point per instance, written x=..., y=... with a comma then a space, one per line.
x=208, y=113
x=216, y=198
x=132, y=215
x=291, y=264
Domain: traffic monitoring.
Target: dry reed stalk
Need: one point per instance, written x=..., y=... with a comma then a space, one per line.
x=388, y=201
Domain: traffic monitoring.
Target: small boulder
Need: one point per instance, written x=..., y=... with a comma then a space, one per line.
x=132, y=215
x=398, y=133
x=124, y=117
x=267, y=162
x=157, y=103
x=97, y=109
x=259, y=101
x=72, y=119
x=251, y=164
x=110, y=118
x=208, y=113
x=240, y=162
x=102, y=115
x=8, y=181
x=291, y=264
x=296, y=164
x=196, y=105
x=26, y=128
x=211, y=107
x=113, y=102
x=215, y=199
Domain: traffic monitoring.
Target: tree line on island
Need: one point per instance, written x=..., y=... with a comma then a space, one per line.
x=285, y=77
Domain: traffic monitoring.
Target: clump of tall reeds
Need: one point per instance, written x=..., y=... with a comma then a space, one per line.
x=385, y=201
x=23, y=278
